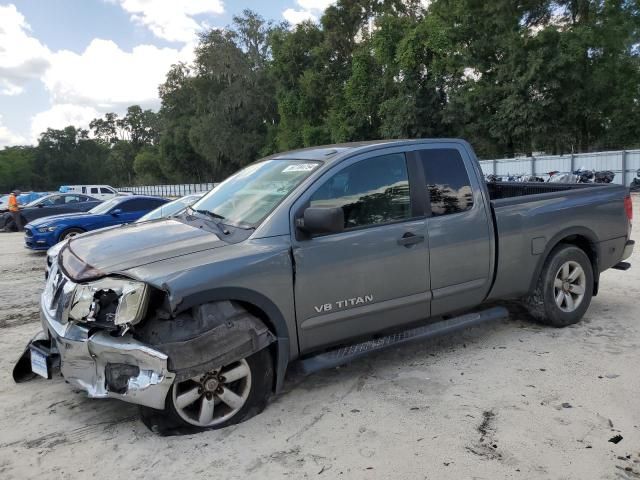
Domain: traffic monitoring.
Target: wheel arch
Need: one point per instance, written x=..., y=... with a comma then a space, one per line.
x=260, y=306
x=581, y=237
x=70, y=227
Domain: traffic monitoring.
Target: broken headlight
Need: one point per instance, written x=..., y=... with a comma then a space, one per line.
x=53, y=252
x=110, y=302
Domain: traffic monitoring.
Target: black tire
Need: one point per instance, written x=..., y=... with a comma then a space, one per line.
x=70, y=232
x=170, y=422
x=542, y=304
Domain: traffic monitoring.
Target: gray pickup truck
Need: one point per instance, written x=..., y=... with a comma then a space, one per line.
x=314, y=257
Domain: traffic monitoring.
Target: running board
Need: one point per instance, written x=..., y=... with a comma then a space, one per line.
x=624, y=266
x=342, y=355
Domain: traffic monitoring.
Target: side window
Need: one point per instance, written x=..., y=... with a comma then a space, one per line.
x=372, y=191
x=84, y=189
x=105, y=190
x=140, y=204
x=132, y=205
x=94, y=190
x=447, y=181
x=72, y=199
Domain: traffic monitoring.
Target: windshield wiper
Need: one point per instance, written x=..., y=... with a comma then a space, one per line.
x=217, y=216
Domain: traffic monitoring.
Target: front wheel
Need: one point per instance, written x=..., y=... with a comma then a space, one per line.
x=216, y=398
x=69, y=233
x=564, y=289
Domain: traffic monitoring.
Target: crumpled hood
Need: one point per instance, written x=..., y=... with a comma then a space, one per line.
x=121, y=248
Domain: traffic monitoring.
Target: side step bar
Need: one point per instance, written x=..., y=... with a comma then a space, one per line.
x=342, y=355
x=624, y=266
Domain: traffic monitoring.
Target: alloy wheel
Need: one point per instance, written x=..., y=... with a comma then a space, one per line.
x=569, y=286
x=214, y=397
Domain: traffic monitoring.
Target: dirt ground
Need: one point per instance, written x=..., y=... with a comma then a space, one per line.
x=506, y=400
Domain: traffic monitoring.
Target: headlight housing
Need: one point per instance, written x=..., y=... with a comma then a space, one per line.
x=53, y=252
x=110, y=302
x=46, y=229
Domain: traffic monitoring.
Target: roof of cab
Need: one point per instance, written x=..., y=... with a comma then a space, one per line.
x=334, y=152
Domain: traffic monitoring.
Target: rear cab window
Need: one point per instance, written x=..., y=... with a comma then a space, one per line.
x=447, y=181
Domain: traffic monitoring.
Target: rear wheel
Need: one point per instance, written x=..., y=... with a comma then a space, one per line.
x=564, y=289
x=71, y=232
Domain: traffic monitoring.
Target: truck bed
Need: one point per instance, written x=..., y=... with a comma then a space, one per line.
x=502, y=190
x=531, y=218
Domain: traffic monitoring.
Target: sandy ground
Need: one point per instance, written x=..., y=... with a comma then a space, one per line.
x=507, y=400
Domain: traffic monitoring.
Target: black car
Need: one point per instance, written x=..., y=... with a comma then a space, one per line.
x=55, y=204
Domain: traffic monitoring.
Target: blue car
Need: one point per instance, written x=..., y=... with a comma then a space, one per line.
x=46, y=232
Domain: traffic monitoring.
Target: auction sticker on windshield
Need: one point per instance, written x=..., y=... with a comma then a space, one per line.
x=303, y=167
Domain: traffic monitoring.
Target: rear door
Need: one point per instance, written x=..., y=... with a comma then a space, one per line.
x=374, y=275
x=94, y=192
x=458, y=228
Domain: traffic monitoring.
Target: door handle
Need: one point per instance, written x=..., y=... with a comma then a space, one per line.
x=409, y=239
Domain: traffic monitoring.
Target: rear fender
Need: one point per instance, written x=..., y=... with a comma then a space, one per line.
x=559, y=238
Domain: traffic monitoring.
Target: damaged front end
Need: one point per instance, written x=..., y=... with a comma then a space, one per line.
x=86, y=333
x=113, y=336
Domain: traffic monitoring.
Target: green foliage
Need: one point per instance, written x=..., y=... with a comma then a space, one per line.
x=17, y=168
x=512, y=77
x=147, y=166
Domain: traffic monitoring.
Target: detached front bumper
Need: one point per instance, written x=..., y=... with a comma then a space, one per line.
x=109, y=367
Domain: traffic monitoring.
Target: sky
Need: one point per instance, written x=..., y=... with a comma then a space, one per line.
x=66, y=62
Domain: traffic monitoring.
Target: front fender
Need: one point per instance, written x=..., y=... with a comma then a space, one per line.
x=219, y=318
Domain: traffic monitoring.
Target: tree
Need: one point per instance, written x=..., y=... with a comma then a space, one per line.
x=147, y=166
x=16, y=169
x=512, y=77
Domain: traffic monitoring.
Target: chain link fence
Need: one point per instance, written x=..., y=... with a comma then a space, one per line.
x=178, y=190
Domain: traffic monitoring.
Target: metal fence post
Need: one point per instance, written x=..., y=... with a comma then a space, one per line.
x=624, y=168
x=495, y=166
x=572, y=166
x=533, y=165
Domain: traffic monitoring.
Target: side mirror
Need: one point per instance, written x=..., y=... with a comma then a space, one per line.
x=116, y=212
x=322, y=220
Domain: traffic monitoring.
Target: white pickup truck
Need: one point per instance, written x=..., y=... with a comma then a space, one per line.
x=101, y=192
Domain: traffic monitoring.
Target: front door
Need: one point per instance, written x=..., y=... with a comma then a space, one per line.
x=374, y=274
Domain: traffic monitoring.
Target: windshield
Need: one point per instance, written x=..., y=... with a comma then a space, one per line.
x=104, y=207
x=170, y=208
x=246, y=198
